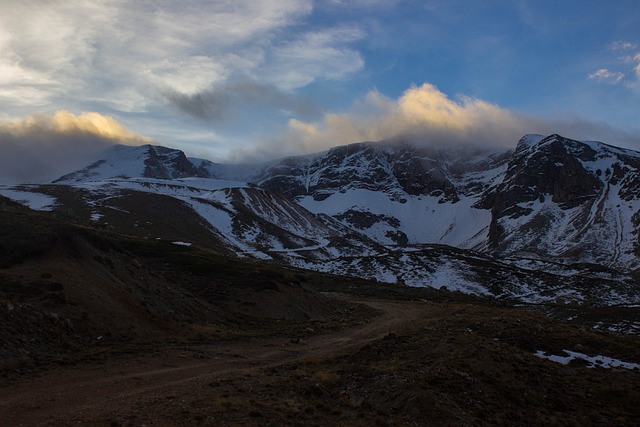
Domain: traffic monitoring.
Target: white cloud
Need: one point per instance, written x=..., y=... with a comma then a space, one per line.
x=604, y=74
x=188, y=75
x=360, y=3
x=119, y=54
x=622, y=45
x=629, y=62
x=316, y=55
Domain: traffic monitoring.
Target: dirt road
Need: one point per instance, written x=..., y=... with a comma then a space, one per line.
x=136, y=386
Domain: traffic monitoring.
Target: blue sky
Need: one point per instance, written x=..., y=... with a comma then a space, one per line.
x=249, y=79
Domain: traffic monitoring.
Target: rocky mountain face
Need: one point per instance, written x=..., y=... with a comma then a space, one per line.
x=395, y=192
x=569, y=200
x=553, y=217
x=396, y=168
x=551, y=196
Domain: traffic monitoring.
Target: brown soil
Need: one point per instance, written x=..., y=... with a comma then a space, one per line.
x=159, y=385
x=415, y=363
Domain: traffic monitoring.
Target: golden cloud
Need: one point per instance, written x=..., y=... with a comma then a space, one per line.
x=422, y=112
x=66, y=123
x=42, y=147
x=425, y=115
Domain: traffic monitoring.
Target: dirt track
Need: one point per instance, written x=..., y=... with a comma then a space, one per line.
x=145, y=386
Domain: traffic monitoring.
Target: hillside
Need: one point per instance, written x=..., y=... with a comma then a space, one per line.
x=111, y=329
x=553, y=220
x=551, y=196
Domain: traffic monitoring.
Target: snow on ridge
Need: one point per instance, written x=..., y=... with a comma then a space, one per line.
x=32, y=200
x=531, y=141
x=222, y=220
x=191, y=187
x=117, y=161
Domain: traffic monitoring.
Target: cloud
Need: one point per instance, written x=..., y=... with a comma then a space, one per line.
x=426, y=115
x=120, y=54
x=629, y=62
x=41, y=148
x=228, y=103
x=359, y=4
x=604, y=74
x=321, y=55
x=622, y=45
x=422, y=112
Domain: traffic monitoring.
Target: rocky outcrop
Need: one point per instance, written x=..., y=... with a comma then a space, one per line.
x=166, y=163
x=561, y=198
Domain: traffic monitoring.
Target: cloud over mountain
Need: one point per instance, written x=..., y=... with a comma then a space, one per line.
x=40, y=148
x=425, y=114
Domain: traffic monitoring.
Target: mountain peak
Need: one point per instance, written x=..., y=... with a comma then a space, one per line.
x=531, y=139
x=142, y=161
x=366, y=209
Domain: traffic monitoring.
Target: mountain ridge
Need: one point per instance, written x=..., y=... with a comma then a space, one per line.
x=475, y=198
x=385, y=210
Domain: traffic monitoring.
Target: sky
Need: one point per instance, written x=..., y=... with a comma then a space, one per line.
x=246, y=80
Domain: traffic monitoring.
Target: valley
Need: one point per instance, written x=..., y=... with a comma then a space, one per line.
x=102, y=328
x=172, y=291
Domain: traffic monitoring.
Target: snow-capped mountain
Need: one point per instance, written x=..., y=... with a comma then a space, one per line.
x=568, y=200
x=155, y=162
x=485, y=221
x=550, y=197
x=395, y=192
x=148, y=161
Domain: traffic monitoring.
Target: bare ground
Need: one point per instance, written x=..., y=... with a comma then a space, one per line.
x=416, y=363
x=155, y=386
x=99, y=329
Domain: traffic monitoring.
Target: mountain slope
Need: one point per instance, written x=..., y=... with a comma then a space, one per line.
x=383, y=211
x=230, y=217
x=568, y=200
x=552, y=196
x=395, y=192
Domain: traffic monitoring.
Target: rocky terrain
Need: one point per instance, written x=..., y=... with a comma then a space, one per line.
x=103, y=327
x=549, y=197
x=553, y=220
x=152, y=288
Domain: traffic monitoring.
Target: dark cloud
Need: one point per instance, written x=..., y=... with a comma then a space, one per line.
x=229, y=103
x=41, y=148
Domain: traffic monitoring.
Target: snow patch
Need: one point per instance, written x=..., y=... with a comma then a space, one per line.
x=423, y=219
x=594, y=361
x=32, y=200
